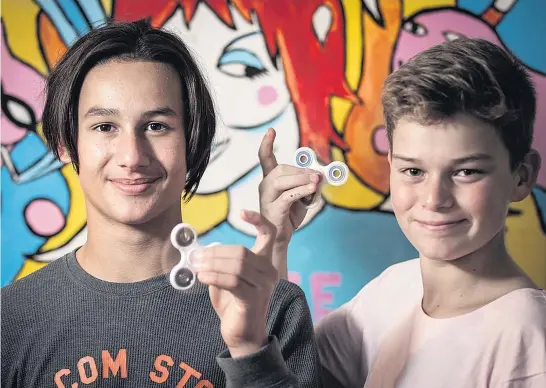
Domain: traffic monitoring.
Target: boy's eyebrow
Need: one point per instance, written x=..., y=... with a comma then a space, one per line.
x=464, y=159
x=98, y=111
x=404, y=158
x=163, y=111
x=474, y=158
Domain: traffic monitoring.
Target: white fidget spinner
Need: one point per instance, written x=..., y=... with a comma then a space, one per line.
x=184, y=238
x=336, y=173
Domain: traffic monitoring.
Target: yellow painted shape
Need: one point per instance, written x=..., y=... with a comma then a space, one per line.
x=353, y=194
x=204, y=212
x=19, y=17
x=413, y=6
x=353, y=41
x=340, y=110
x=107, y=6
x=353, y=61
x=526, y=241
x=29, y=266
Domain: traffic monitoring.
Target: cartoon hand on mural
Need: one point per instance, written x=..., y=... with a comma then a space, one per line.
x=282, y=193
x=241, y=282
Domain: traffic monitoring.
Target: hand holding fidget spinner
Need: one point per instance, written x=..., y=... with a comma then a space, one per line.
x=336, y=172
x=184, y=238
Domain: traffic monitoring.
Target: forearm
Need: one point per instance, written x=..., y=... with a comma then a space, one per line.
x=266, y=368
x=280, y=260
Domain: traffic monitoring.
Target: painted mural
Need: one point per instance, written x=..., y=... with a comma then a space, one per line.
x=313, y=70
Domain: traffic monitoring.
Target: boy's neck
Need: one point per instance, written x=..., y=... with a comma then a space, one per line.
x=125, y=253
x=452, y=288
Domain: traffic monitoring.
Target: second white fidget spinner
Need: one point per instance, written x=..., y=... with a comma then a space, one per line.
x=184, y=238
x=336, y=173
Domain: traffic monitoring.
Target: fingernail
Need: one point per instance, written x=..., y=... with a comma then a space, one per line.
x=315, y=178
x=196, y=258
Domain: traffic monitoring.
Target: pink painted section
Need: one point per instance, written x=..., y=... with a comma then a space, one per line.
x=44, y=217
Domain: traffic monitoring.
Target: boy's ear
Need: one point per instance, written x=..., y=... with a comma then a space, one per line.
x=526, y=175
x=64, y=155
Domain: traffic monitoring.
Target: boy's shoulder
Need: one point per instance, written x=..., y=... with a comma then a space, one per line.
x=516, y=334
x=522, y=310
x=403, y=278
x=30, y=299
x=42, y=280
x=411, y=267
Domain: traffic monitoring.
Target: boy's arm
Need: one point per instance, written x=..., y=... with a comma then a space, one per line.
x=342, y=335
x=290, y=359
x=339, y=341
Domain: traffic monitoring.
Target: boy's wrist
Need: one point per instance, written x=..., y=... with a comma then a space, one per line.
x=280, y=259
x=281, y=246
x=247, y=348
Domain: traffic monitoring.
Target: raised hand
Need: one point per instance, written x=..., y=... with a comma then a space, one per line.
x=241, y=282
x=284, y=192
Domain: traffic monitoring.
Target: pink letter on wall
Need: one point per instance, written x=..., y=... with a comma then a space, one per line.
x=321, y=297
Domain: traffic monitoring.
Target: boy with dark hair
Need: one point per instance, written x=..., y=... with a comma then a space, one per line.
x=128, y=107
x=460, y=119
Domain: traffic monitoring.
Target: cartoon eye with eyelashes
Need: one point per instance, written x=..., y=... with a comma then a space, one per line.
x=241, y=63
x=18, y=112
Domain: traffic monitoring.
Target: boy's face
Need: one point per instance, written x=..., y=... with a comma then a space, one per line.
x=131, y=145
x=451, y=185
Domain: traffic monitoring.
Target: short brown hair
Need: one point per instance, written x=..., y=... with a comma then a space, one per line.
x=470, y=76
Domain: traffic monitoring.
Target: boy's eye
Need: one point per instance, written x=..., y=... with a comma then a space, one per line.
x=104, y=128
x=467, y=172
x=413, y=172
x=156, y=127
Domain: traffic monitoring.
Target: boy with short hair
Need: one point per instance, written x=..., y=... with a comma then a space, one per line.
x=460, y=119
x=129, y=108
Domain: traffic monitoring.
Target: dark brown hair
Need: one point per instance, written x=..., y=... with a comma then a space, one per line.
x=470, y=76
x=130, y=42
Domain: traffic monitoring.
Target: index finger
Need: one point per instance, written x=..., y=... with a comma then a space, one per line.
x=265, y=153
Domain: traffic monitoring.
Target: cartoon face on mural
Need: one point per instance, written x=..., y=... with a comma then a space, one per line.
x=239, y=60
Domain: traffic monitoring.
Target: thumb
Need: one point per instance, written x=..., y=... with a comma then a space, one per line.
x=266, y=232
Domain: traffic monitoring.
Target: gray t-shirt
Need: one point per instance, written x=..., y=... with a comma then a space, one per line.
x=61, y=327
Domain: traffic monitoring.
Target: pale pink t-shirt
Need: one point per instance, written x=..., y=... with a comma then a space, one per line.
x=382, y=338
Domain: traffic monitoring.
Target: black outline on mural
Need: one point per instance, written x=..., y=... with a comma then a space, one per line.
x=5, y=110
